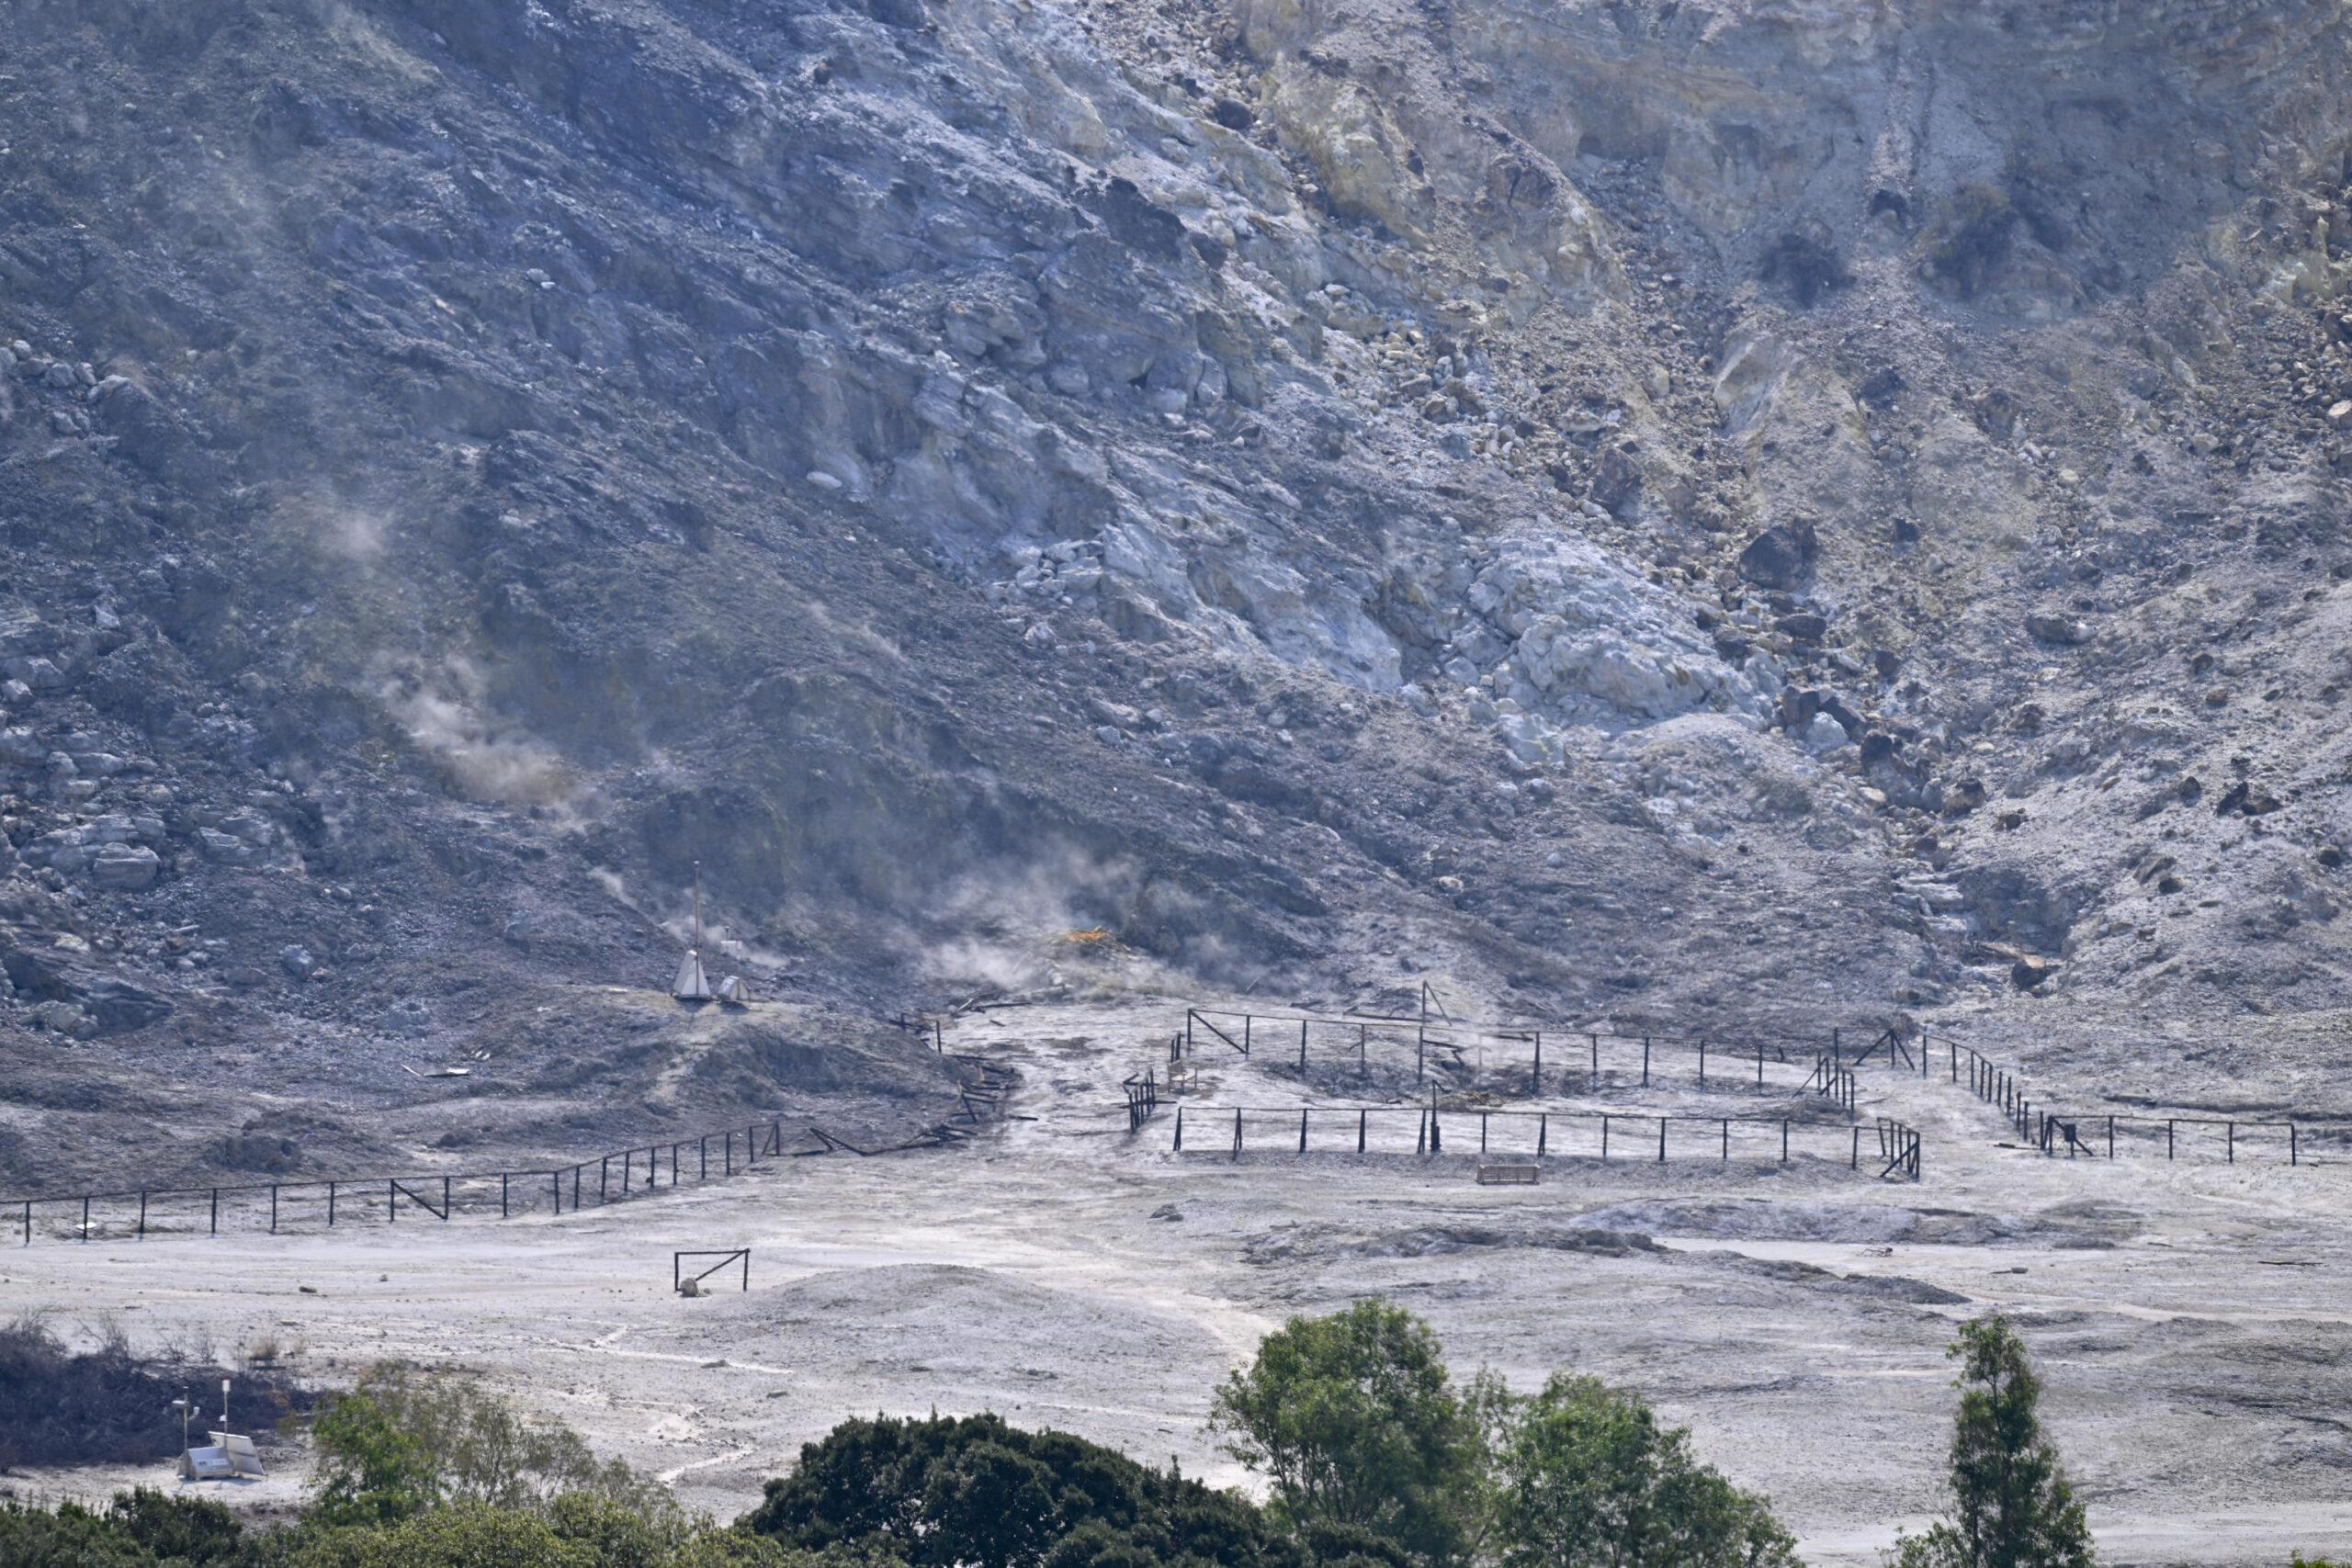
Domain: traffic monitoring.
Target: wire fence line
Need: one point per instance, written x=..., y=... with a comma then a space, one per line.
x=1551, y=1055
x=637, y=1171
x=1560, y=1056
x=2099, y=1135
x=330, y=1203
x=1378, y=1129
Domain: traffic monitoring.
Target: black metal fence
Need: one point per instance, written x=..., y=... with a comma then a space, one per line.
x=1563, y=1059
x=1555, y=1057
x=637, y=1172
x=328, y=1203
x=1893, y=1147
x=2096, y=1133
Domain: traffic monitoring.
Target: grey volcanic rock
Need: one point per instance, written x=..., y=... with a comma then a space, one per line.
x=1163, y=470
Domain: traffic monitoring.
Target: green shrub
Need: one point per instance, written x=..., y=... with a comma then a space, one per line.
x=1588, y=1477
x=138, y=1529
x=458, y=1535
x=400, y=1443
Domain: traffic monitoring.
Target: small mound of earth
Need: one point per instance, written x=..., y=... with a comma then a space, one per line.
x=1423, y=1241
x=1779, y=1219
x=1894, y=1288
x=975, y=1338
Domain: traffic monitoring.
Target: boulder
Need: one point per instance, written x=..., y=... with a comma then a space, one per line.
x=410, y=1017
x=225, y=848
x=114, y=1006
x=1782, y=556
x=2058, y=629
x=68, y=1019
x=2029, y=971
x=125, y=868
x=1824, y=734
x=1617, y=482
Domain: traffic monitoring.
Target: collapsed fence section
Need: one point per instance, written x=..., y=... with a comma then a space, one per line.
x=1887, y=1148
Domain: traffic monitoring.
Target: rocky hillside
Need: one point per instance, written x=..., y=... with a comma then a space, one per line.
x=1728, y=511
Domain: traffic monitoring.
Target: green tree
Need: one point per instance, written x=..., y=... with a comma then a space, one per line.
x=2012, y=1505
x=1587, y=1477
x=1354, y=1421
x=372, y=1471
x=976, y=1492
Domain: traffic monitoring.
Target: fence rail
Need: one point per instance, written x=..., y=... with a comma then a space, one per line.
x=1377, y=1129
x=1555, y=1055
x=2108, y=1137
x=339, y=1201
x=1560, y=1056
x=641, y=1169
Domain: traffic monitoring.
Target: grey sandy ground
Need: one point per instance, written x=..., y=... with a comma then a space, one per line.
x=2192, y=1319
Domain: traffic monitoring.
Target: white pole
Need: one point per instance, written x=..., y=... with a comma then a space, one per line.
x=224, y=1404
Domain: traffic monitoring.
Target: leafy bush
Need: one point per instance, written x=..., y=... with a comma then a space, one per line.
x=2012, y=1506
x=1587, y=1476
x=973, y=1492
x=400, y=1444
x=137, y=1530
